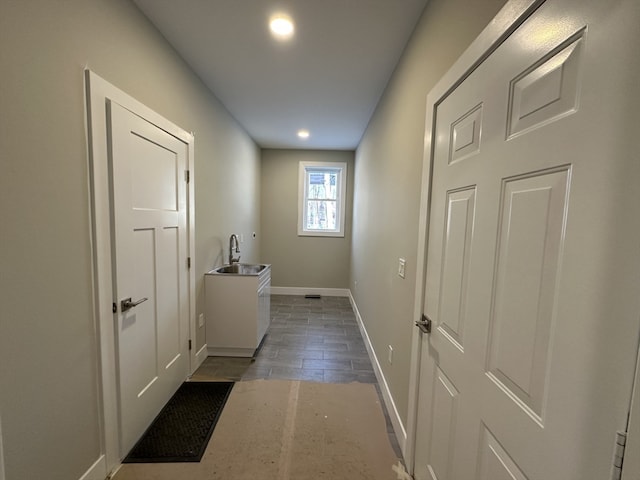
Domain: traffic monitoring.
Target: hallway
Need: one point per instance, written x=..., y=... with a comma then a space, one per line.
x=307, y=406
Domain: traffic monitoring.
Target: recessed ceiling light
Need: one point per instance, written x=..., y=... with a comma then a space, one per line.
x=281, y=26
x=304, y=134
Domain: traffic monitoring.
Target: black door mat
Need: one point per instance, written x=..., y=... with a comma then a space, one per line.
x=182, y=429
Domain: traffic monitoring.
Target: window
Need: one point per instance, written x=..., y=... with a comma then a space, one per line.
x=321, y=199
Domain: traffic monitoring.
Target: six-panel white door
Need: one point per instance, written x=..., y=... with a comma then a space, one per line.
x=532, y=265
x=150, y=240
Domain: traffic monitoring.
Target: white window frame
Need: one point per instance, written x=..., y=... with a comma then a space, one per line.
x=304, y=169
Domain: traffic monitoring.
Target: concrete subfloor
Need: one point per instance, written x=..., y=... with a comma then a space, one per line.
x=310, y=342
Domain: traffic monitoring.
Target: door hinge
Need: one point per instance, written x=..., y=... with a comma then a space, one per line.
x=187, y=176
x=618, y=455
x=189, y=345
x=424, y=324
x=188, y=262
x=114, y=307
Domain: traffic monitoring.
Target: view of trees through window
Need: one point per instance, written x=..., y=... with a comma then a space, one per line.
x=322, y=199
x=322, y=196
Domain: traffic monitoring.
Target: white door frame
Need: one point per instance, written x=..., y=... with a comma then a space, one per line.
x=98, y=92
x=631, y=463
x=508, y=19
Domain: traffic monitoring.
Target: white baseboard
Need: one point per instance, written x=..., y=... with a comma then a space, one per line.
x=97, y=471
x=398, y=427
x=201, y=355
x=325, y=292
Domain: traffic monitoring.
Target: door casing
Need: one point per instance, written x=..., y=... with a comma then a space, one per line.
x=631, y=464
x=97, y=92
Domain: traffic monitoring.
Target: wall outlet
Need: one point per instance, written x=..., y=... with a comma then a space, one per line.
x=201, y=320
x=401, y=267
x=390, y=358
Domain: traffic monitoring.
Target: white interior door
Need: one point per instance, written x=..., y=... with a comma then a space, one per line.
x=150, y=266
x=532, y=263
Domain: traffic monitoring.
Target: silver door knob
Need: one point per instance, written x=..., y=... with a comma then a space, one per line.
x=424, y=324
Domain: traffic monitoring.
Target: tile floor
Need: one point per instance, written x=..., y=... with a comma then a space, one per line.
x=309, y=339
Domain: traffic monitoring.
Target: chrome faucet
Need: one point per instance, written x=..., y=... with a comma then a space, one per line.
x=233, y=239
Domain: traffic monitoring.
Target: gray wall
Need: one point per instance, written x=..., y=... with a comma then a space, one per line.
x=48, y=352
x=318, y=262
x=387, y=183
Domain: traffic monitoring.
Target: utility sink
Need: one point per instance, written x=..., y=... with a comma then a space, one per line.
x=239, y=269
x=237, y=308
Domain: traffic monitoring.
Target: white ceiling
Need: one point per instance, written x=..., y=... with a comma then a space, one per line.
x=327, y=79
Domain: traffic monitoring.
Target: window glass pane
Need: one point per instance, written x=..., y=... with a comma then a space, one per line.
x=321, y=193
x=322, y=185
x=321, y=215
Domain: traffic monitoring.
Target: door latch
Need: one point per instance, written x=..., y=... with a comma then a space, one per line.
x=424, y=324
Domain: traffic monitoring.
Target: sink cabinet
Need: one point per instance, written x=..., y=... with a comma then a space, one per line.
x=237, y=312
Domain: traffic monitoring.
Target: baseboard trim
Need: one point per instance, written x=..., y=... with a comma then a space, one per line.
x=97, y=471
x=398, y=427
x=201, y=355
x=326, y=292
